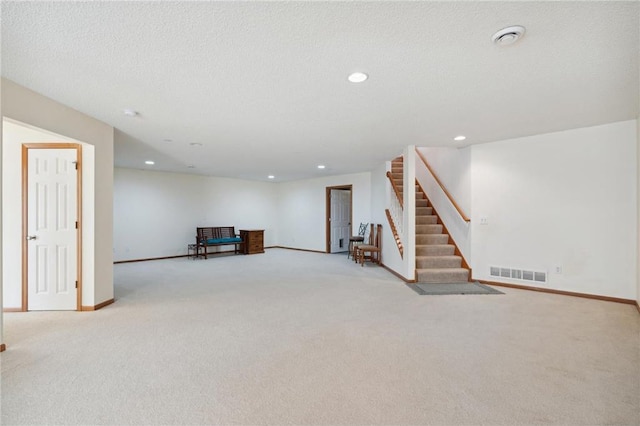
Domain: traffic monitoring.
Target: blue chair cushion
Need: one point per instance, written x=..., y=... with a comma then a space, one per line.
x=224, y=240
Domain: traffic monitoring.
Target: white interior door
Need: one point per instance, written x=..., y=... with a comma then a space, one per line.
x=52, y=229
x=340, y=220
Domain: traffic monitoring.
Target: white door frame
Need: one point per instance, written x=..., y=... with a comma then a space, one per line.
x=328, y=213
x=25, y=211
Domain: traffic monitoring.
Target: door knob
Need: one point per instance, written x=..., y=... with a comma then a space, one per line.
x=31, y=237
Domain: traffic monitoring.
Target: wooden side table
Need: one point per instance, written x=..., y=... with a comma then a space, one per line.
x=193, y=251
x=253, y=240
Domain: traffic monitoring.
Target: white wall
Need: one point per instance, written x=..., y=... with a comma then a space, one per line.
x=453, y=168
x=26, y=106
x=156, y=213
x=1, y=221
x=243, y=204
x=409, y=212
x=12, y=213
x=13, y=135
x=638, y=209
x=302, y=209
x=562, y=199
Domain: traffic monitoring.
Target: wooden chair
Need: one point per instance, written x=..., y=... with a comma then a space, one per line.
x=357, y=239
x=374, y=248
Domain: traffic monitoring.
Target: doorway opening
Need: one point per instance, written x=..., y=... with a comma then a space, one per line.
x=51, y=226
x=339, y=210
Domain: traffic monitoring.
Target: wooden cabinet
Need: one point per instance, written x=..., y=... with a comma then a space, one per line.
x=253, y=240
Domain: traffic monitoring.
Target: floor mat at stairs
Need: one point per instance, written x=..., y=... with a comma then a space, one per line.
x=431, y=289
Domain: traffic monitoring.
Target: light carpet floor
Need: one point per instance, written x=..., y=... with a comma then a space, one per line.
x=289, y=337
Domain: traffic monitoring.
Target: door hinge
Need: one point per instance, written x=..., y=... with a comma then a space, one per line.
x=76, y=224
x=75, y=163
x=76, y=284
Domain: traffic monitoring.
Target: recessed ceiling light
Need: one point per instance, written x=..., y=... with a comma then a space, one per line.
x=130, y=113
x=149, y=162
x=321, y=166
x=195, y=144
x=357, y=77
x=271, y=177
x=191, y=166
x=168, y=140
x=509, y=35
x=459, y=138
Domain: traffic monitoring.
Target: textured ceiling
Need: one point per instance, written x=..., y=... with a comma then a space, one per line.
x=263, y=85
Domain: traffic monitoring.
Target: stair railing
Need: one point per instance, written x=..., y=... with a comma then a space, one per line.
x=395, y=189
x=439, y=182
x=395, y=233
x=395, y=214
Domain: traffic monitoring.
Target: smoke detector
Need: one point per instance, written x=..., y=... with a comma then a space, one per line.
x=509, y=35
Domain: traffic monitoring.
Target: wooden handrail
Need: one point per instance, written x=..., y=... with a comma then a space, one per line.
x=435, y=176
x=395, y=189
x=394, y=231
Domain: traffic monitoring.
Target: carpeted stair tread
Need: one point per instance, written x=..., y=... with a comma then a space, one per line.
x=427, y=220
x=422, y=203
x=437, y=262
x=426, y=239
x=424, y=211
x=435, y=250
x=442, y=275
x=428, y=229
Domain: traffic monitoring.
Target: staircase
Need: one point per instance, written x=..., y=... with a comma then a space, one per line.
x=397, y=172
x=436, y=258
